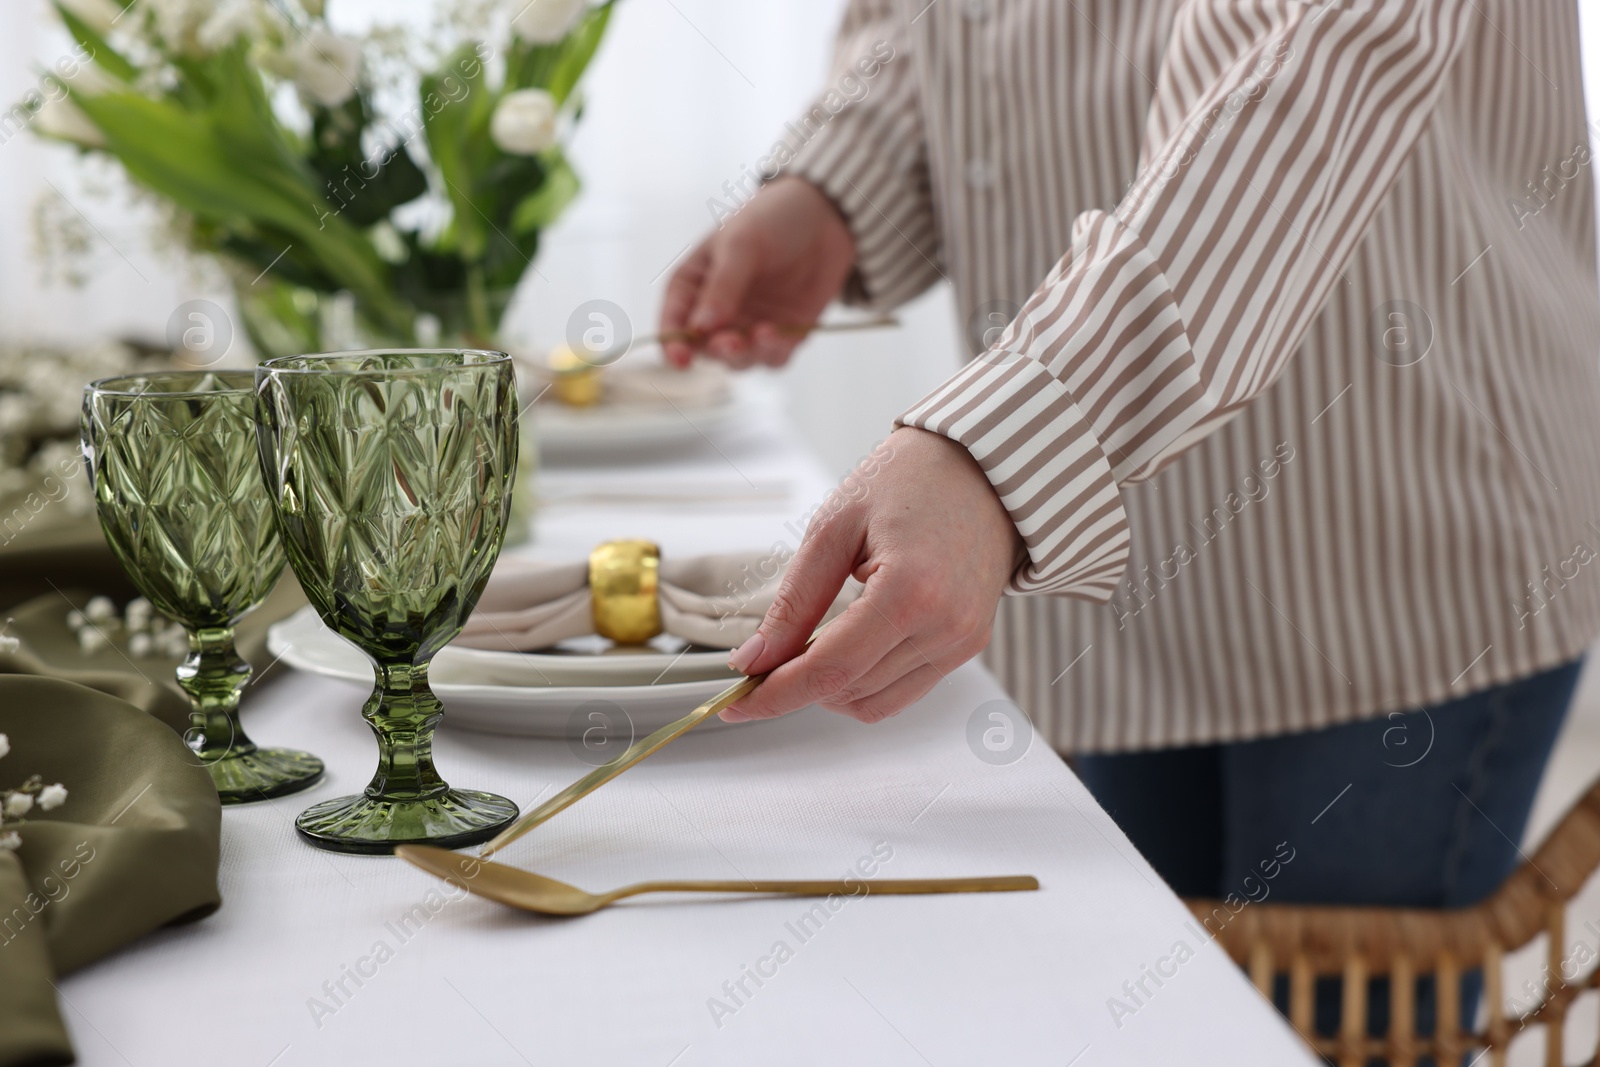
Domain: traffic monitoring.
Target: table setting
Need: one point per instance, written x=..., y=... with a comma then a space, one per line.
x=321, y=940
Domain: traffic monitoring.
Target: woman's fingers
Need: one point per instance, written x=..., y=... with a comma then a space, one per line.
x=729, y=274
x=844, y=652
x=682, y=293
x=731, y=347
x=769, y=346
x=705, y=300
x=909, y=656
x=935, y=547
x=893, y=699
x=827, y=555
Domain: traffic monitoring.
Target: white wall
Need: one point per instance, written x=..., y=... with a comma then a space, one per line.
x=684, y=94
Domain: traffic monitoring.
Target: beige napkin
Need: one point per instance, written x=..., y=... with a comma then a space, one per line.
x=714, y=601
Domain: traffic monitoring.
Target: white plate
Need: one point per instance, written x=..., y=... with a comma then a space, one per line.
x=560, y=711
x=588, y=663
x=617, y=431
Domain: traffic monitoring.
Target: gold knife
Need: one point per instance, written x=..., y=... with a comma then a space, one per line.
x=637, y=751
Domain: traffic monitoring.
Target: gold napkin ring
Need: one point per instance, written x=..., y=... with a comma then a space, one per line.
x=576, y=381
x=622, y=590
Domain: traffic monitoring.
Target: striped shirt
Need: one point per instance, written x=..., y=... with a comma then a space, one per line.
x=1285, y=320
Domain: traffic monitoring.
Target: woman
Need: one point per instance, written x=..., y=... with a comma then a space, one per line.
x=1287, y=453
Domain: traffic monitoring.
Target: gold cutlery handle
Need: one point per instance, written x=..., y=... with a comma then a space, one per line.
x=607, y=771
x=828, y=887
x=786, y=329
x=638, y=751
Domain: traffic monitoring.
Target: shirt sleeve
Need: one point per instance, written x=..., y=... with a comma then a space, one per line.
x=1276, y=132
x=861, y=142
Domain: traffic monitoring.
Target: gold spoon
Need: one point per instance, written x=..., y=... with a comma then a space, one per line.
x=534, y=892
x=636, y=752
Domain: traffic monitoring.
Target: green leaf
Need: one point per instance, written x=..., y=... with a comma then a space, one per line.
x=427, y=272
x=277, y=322
x=507, y=258
x=217, y=168
x=576, y=52
x=263, y=252
x=528, y=66
x=366, y=188
x=110, y=60
x=456, y=107
x=544, y=205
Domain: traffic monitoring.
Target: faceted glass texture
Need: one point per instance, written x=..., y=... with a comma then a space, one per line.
x=392, y=474
x=172, y=461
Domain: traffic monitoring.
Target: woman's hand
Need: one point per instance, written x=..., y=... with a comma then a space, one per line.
x=777, y=263
x=927, y=534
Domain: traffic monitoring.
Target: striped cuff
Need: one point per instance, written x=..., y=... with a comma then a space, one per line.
x=1040, y=454
x=872, y=171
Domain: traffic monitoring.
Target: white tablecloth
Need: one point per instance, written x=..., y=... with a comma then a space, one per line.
x=325, y=959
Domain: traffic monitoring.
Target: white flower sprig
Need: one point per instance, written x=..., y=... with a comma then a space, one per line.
x=15, y=804
x=41, y=400
x=148, y=633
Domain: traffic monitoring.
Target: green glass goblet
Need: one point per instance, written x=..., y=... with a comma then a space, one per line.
x=392, y=473
x=172, y=461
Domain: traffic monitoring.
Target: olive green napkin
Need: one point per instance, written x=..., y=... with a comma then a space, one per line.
x=134, y=848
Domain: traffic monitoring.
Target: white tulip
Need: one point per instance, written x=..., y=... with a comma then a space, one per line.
x=10, y=841
x=546, y=21
x=17, y=805
x=65, y=121
x=5, y=745
x=274, y=61
x=98, y=15
x=230, y=21
x=178, y=21
x=326, y=66
x=92, y=80
x=52, y=797
x=524, y=122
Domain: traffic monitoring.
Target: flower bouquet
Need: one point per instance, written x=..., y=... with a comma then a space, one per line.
x=407, y=179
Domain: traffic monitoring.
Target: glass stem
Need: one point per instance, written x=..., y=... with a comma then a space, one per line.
x=214, y=674
x=402, y=712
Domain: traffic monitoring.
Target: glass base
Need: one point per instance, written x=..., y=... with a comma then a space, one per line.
x=264, y=774
x=372, y=826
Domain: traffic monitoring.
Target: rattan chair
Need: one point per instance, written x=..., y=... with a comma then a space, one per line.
x=1356, y=943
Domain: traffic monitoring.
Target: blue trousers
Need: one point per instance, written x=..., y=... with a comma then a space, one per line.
x=1423, y=809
